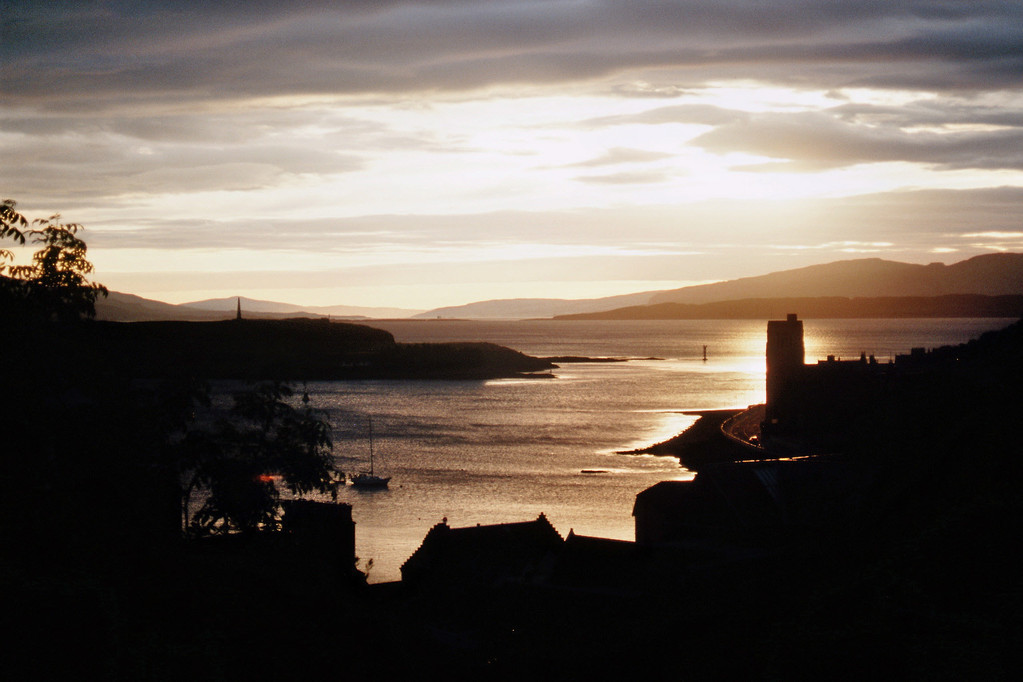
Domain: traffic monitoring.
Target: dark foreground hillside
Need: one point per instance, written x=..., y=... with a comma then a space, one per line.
x=922, y=584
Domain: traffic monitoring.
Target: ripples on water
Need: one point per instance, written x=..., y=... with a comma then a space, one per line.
x=507, y=450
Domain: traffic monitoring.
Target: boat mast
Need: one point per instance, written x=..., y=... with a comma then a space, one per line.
x=370, y=446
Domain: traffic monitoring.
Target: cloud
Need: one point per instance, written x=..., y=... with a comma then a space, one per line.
x=378, y=132
x=699, y=114
x=907, y=220
x=713, y=240
x=930, y=112
x=994, y=235
x=626, y=178
x=115, y=54
x=621, y=155
x=816, y=140
x=215, y=80
x=107, y=163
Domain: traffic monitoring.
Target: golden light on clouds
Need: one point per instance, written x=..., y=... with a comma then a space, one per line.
x=757, y=97
x=994, y=235
x=430, y=148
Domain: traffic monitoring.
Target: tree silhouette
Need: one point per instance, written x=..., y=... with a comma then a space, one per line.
x=95, y=418
x=235, y=467
x=12, y=226
x=55, y=286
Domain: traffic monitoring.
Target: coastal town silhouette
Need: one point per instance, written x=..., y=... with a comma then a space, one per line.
x=860, y=519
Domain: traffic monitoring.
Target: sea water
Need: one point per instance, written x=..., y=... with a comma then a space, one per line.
x=485, y=452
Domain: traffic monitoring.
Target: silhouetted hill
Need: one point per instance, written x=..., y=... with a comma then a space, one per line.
x=997, y=274
x=291, y=349
x=519, y=308
x=252, y=307
x=958, y=305
x=993, y=274
x=121, y=307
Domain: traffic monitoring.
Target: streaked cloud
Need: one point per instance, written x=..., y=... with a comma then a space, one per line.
x=625, y=178
x=158, y=49
x=812, y=141
x=994, y=235
x=621, y=155
x=487, y=144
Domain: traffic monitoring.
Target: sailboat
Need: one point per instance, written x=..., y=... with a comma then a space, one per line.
x=367, y=479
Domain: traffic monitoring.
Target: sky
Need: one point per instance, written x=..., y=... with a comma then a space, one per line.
x=420, y=154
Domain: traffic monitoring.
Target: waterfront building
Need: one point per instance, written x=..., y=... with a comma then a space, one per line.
x=785, y=364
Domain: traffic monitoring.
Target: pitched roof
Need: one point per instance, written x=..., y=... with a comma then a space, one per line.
x=480, y=553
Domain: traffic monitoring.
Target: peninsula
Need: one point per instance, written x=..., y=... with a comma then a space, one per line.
x=293, y=350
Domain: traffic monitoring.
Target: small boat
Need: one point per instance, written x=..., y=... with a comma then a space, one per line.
x=367, y=479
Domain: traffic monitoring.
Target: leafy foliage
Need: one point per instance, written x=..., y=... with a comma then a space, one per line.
x=12, y=226
x=55, y=286
x=236, y=466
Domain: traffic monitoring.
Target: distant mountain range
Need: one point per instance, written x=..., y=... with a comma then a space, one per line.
x=521, y=308
x=820, y=307
x=255, y=306
x=997, y=274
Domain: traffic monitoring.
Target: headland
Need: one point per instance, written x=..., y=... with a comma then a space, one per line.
x=296, y=349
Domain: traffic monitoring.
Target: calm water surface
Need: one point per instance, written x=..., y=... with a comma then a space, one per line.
x=504, y=451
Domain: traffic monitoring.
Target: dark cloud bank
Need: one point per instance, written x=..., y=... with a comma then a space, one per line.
x=58, y=54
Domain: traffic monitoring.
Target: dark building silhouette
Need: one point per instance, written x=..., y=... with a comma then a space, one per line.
x=826, y=397
x=481, y=556
x=756, y=503
x=837, y=405
x=597, y=563
x=811, y=409
x=821, y=404
x=323, y=533
x=785, y=364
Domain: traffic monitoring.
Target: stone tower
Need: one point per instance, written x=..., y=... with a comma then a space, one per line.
x=785, y=362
